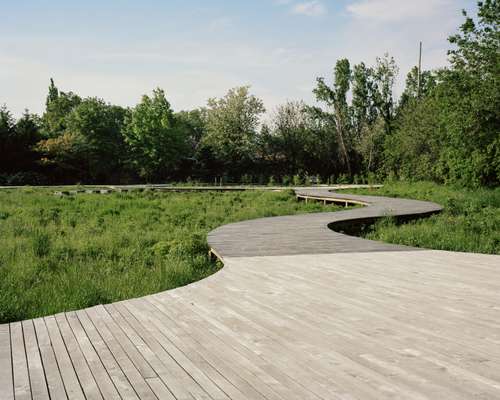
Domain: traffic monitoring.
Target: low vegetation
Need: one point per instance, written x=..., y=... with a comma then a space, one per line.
x=77, y=251
x=470, y=221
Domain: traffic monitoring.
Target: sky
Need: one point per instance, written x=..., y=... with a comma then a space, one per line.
x=119, y=50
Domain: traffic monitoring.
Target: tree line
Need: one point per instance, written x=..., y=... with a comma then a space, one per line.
x=444, y=128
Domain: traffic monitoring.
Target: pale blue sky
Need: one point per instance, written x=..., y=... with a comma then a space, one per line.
x=194, y=49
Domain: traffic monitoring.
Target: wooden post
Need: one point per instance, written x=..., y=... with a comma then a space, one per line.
x=419, y=78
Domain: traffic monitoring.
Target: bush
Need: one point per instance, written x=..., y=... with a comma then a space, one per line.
x=286, y=180
x=297, y=180
x=25, y=178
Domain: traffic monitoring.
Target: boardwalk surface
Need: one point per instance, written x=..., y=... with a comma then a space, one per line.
x=298, y=312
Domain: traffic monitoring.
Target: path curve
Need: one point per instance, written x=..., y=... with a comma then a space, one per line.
x=298, y=312
x=310, y=233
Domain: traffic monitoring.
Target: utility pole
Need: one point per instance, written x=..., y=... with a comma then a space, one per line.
x=419, y=78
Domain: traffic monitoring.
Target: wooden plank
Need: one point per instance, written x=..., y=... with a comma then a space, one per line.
x=177, y=380
x=80, y=366
x=146, y=319
x=68, y=374
x=52, y=373
x=99, y=372
x=247, y=374
x=125, y=341
x=22, y=388
x=226, y=361
x=107, y=359
x=6, y=379
x=139, y=384
x=159, y=389
x=39, y=389
x=287, y=357
x=236, y=389
x=146, y=353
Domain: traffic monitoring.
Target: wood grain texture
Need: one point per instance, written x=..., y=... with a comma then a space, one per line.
x=298, y=312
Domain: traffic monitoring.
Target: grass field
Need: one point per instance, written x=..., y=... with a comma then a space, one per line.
x=67, y=253
x=470, y=221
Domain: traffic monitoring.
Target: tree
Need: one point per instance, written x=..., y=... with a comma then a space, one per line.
x=290, y=127
x=58, y=106
x=231, y=129
x=336, y=99
x=65, y=155
x=414, y=150
x=371, y=145
x=99, y=128
x=477, y=42
x=156, y=140
x=362, y=109
x=194, y=124
x=475, y=74
x=412, y=91
x=7, y=126
x=26, y=136
x=451, y=134
x=385, y=74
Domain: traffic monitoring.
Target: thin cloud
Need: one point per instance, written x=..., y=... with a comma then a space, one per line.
x=396, y=10
x=219, y=24
x=310, y=8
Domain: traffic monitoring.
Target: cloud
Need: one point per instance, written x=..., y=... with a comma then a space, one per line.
x=312, y=8
x=219, y=24
x=396, y=10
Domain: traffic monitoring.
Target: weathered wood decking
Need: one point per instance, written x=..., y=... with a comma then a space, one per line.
x=298, y=312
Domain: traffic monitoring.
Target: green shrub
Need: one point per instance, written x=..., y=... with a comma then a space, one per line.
x=297, y=180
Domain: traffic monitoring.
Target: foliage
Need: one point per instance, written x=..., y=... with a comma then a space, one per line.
x=67, y=253
x=357, y=124
x=231, y=129
x=385, y=74
x=290, y=128
x=194, y=124
x=58, y=105
x=413, y=91
x=336, y=98
x=452, y=134
x=17, y=141
x=99, y=125
x=156, y=141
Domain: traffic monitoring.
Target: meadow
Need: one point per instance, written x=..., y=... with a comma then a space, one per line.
x=71, y=252
x=470, y=221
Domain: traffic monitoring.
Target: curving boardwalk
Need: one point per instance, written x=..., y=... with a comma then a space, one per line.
x=298, y=312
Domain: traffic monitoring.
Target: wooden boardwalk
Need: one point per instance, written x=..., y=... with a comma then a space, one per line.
x=298, y=312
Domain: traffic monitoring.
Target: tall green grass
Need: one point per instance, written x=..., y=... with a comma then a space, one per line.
x=470, y=221
x=67, y=253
